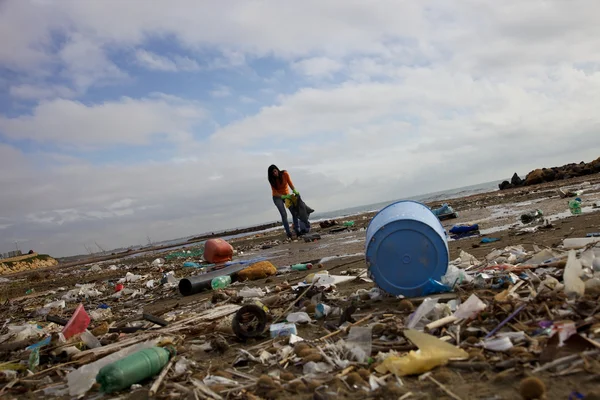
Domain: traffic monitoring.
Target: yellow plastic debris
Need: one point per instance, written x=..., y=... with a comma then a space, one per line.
x=432, y=353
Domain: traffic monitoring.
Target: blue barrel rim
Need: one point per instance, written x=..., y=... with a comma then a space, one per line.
x=434, y=233
x=403, y=201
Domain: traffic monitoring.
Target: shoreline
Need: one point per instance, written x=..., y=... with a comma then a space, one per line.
x=463, y=205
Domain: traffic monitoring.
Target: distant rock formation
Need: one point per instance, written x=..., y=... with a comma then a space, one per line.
x=552, y=174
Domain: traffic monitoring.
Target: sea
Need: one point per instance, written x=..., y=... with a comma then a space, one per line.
x=440, y=196
x=348, y=212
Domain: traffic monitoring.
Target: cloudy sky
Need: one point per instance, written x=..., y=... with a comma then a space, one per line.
x=126, y=119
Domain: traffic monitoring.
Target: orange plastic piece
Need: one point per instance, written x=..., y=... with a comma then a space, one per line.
x=78, y=323
x=217, y=251
x=432, y=353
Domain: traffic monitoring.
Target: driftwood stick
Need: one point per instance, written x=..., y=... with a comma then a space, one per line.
x=156, y=385
x=295, y=301
x=444, y=388
x=565, y=360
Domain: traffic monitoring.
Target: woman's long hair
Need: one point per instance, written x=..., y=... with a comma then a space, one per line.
x=275, y=180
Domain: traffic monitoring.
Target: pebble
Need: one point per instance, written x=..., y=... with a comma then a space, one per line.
x=315, y=357
x=406, y=305
x=287, y=376
x=532, y=388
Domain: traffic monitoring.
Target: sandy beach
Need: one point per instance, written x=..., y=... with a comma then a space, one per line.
x=341, y=253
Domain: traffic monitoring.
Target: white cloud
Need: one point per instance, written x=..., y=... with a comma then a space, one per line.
x=87, y=64
x=157, y=62
x=404, y=98
x=127, y=121
x=318, y=67
x=221, y=91
x=247, y=100
x=39, y=92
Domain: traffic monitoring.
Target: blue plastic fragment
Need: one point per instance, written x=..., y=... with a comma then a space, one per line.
x=489, y=240
x=464, y=228
x=42, y=343
x=189, y=264
x=434, y=287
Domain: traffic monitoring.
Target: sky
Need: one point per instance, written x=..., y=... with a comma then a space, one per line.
x=127, y=120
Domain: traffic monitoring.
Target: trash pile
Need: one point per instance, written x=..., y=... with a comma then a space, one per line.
x=516, y=316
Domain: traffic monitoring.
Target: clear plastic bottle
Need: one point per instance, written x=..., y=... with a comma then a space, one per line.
x=220, y=282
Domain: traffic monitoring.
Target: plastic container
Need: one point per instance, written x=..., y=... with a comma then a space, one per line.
x=220, y=282
x=301, y=267
x=133, y=369
x=575, y=207
x=406, y=246
x=217, y=251
x=78, y=323
x=282, y=329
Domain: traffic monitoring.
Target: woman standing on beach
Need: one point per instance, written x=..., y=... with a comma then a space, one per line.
x=280, y=184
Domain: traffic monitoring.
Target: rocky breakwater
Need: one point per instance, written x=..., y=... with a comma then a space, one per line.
x=542, y=175
x=26, y=263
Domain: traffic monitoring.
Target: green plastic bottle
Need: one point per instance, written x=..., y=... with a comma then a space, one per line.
x=301, y=267
x=134, y=368
x=220, y=282
x=575, y=207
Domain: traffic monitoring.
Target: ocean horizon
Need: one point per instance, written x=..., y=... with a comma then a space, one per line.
x=440, y=196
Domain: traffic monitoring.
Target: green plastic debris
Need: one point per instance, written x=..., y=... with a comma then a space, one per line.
x=349, y=223
x=197, y=253
x=34, y=359
x=134, y=368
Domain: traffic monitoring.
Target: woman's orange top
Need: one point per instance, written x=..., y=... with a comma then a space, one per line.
x=282, y=189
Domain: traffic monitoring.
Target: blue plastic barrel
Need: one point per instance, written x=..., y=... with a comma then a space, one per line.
x=405, y=247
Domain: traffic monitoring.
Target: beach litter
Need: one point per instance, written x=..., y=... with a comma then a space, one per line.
x=324, y=327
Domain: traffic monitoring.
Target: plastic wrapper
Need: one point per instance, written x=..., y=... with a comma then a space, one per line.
x=313, y=368
x=101, y=314
x=251, y=292
x=82, y=291
x=359, y=342
x=498, y=344
x=470, y=308
x=56, y=304
x=90, y=340
x=432, y=353
x=572, y=276
x=298, y=318
x=455, y=276
x=421, y=312
x=129, y=277
x=18, y=333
